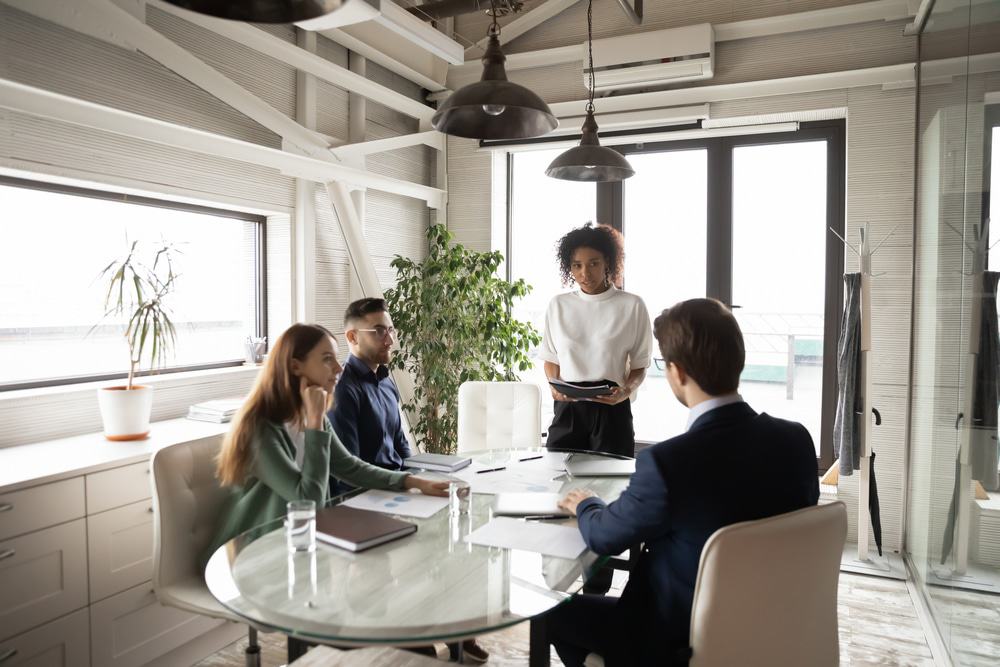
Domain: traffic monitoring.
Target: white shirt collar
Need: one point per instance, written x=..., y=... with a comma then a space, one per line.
x=709, y=405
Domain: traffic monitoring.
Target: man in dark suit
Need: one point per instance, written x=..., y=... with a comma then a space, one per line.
x=731, y=465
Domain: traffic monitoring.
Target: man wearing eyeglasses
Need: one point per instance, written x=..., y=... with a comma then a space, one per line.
x=365, y=412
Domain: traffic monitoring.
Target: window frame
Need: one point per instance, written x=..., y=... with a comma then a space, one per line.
x=260, y=277
x=610, y=208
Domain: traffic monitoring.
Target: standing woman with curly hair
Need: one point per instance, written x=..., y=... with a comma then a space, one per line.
x=594, y=335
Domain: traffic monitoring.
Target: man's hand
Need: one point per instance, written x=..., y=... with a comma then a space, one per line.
x=428, y=487
x=574, y=498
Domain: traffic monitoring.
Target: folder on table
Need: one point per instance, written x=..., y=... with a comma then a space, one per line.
x=357, y=530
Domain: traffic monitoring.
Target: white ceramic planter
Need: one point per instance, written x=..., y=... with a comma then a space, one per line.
x=125, y=411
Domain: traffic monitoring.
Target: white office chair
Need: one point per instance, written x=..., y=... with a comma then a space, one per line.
x=186, y=503
x=766, y=592
x=497, y=415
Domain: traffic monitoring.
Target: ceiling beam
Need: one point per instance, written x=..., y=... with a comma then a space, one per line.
x=37, y=102
x=522, y=24
x=289, y=53
x=431, y=138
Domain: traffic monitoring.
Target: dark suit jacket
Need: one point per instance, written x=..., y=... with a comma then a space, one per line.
x=732, y=465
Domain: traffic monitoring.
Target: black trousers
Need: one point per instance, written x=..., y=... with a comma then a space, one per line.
x=591, y=426
x=599, y=428
x=586, y=624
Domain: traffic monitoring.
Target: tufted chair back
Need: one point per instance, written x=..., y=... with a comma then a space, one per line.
x=497, y=415
x=187, y=499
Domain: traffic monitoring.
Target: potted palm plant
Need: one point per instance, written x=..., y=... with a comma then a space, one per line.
x=136, y=296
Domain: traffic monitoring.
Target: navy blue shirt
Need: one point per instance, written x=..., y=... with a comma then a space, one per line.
x=365, y=415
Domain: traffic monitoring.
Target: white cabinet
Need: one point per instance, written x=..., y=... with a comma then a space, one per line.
x=132, y=628
x=117, y=487
x=120, y=544
x=40, y=507
x=64, y=642
x=43, y=575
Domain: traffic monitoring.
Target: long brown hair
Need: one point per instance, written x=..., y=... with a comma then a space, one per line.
x=275, y=397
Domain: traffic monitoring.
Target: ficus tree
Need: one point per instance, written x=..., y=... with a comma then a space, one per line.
x=453, y=315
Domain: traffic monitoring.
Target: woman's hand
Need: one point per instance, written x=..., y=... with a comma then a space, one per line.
x=559, y=396
x=314, y=400
x=428, y=487
x=617, y=395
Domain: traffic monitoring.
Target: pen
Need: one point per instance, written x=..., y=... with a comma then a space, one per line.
x=480, y=472
x=546, y=517
x=531, y=458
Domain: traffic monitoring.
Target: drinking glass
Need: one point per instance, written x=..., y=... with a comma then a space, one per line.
x=300, y=525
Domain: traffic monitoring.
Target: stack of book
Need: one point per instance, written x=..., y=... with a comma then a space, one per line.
x=219, y=411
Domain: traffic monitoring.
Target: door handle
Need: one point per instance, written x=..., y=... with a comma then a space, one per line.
x=6, y=507
x=7, y=553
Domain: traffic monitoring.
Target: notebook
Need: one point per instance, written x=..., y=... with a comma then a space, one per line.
x=357, y=530
x=577, y=391
x=529, y=504
x=600, y=467
x=440, y=462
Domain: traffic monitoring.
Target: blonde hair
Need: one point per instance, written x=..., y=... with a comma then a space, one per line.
x=275, y=397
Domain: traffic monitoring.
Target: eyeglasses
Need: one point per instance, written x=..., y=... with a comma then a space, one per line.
x=380, y=331
x=661, y=364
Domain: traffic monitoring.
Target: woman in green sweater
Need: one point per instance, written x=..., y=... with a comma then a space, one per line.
x=281, y=447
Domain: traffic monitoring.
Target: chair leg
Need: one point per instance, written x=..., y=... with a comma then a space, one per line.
x=251, y=655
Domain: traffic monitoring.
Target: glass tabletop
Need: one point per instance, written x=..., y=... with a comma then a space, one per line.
x=429, y=586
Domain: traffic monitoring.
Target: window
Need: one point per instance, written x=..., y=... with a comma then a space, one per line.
x=730, y=218
x=54, y=243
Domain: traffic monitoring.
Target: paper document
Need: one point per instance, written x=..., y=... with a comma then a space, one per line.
x=541, y=537
x=515, y=477
x=400, y=503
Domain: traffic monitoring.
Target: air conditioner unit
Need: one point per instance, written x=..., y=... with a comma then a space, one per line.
x=651, y=59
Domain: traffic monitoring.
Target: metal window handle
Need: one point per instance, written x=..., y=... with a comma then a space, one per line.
x=7, y=553
x=8, y=654
x=6, y=507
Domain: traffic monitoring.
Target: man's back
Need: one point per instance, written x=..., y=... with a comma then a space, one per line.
x=732, y=465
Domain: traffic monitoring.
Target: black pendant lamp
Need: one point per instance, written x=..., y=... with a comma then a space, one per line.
x=262, y=11
x=493, y=107
x=590, y=161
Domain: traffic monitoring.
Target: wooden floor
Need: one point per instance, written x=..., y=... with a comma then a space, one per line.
x=878, y=626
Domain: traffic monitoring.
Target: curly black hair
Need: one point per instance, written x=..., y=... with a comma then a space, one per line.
x=602, y=238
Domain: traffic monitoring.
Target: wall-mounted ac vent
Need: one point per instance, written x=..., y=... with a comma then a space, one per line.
x=652, y=59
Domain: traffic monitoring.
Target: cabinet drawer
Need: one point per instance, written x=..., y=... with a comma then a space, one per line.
x=132, y=628
x=61, y=643
x=40, y=507
x=43, y=575
x=120, y=546
x=117, y=487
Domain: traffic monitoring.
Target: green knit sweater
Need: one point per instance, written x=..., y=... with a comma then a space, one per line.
x=274, y=478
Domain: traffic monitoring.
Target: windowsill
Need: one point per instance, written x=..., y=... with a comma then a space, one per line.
x=152, y=380
x=52, y=460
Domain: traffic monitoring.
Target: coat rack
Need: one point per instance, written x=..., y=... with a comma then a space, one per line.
x=865, y=252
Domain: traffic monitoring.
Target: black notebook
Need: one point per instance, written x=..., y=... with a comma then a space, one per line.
x=356, y=530
x=578, y=391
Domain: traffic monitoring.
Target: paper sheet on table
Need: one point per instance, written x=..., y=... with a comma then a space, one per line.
x=515, y=477
x=400, y=503
x=538, y=536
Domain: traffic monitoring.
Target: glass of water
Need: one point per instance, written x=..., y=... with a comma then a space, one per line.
x=300, y=525
x=459, y=497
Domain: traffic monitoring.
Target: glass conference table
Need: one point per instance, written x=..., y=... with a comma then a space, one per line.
x=426, y=587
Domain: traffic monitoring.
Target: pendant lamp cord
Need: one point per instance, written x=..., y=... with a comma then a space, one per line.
x=494, y=26
x=590, y=53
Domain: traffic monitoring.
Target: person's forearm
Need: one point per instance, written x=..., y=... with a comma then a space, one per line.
x=635, y=379
x=551, y=370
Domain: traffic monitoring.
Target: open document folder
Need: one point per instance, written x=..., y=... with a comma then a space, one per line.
x=541, y=537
